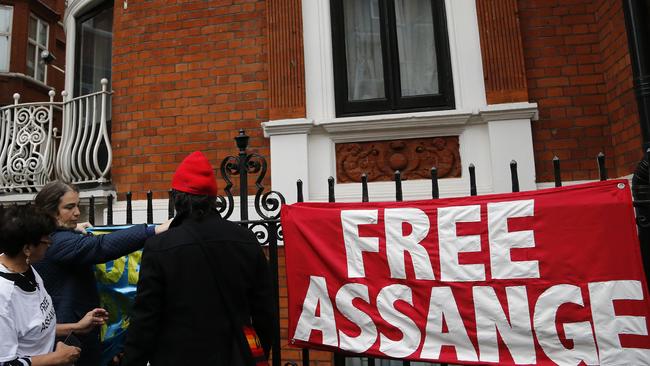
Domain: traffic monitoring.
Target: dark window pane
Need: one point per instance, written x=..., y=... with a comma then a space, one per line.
x=4, y=53
x=42, y=34
x=40, y=71
x=5, y=19
x=95, y=47
x=363, y=50
x=31, y=51
x=32, y=28
x=416, y=47
x=390, y=56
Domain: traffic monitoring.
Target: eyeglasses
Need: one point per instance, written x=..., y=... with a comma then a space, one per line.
x=46, y=242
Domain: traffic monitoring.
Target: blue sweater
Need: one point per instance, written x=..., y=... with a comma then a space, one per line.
x=68, y=275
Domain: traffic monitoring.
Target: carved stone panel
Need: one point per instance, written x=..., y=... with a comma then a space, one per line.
x=414, y=158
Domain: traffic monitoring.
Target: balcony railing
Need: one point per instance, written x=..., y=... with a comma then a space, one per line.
x=32, y=154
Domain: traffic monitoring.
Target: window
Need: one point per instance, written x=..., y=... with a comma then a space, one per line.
x=6, y=15
x=38, y=35
x=390, y=56
x=94, y=45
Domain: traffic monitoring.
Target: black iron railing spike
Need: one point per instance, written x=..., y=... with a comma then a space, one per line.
x=364, y=188
x=435, y=190
x=472, y=180
x=556, y=171
x=602, y=169
x=514, y=176
x=299, y=195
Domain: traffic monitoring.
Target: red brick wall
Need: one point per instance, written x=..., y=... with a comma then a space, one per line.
x=50, y=11
x=578, y=71
x=186, y=77
x=621, y=101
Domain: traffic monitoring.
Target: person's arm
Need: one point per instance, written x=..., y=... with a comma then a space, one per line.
x=62, y=355
x=261, y=303
x=94, y=318
x=74, y=248
x=147, y=311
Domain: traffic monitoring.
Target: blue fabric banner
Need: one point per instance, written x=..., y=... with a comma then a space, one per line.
x=116, y=282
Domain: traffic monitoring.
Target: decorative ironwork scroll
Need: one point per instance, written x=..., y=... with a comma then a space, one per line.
x=26, y=145
x=267, y=205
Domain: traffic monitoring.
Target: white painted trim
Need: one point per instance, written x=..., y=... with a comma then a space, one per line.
x=319, y=69
x=287, y=127
x=99, y=194
x=74, y=8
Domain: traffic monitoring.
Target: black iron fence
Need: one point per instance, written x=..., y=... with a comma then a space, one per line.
x=268, y=230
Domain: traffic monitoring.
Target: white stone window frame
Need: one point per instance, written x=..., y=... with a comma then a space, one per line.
x=490, y=136
x=39, y=47
x=7, y=52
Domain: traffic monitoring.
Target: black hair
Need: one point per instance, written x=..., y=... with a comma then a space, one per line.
x=193, y=205
x=50, y=195
x=23, y=225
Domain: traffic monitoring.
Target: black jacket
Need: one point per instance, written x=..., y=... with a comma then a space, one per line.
x=179, y=317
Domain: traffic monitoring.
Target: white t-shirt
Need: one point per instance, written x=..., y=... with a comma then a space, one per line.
x=27, y=320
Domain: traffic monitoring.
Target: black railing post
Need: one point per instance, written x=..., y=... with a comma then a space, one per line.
x=398, y=186
x=242, y=144
x=364, y=188
x=170, y=204
x=109, y=210
x=514, y=176
x=556, y=171
x=602, y=169
x=472, y=180
x=435, y=190
x=299, y=194
x=149, y=207
x=91, y=210
x=129, y=208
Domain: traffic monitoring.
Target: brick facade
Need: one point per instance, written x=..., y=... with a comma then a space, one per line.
x=578, y=71
x=186, y=77
x=30, y=90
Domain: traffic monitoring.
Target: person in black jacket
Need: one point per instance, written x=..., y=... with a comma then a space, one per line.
x=67, y=269
x=182, y=315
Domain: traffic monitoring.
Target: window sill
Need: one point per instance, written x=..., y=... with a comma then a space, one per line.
x=419, y=124
x=403, y=125
x=24, y=77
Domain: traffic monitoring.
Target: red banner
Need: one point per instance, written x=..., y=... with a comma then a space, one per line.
x=544, y=277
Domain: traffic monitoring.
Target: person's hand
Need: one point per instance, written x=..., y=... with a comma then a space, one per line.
x=117, y=359
x=66, y=355
x=163, y=227
x=92, y=319
x=82, y=226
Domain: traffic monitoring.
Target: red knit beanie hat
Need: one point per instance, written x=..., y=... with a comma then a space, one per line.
x=195, y=176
